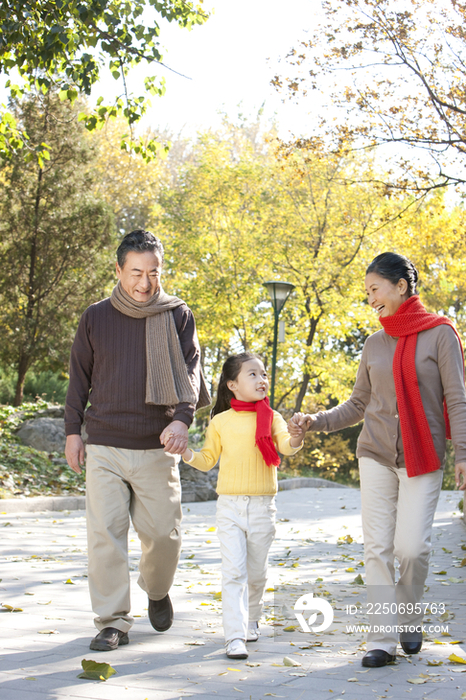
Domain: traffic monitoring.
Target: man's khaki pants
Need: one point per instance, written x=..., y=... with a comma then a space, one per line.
x=397, y=515
x=145, y=485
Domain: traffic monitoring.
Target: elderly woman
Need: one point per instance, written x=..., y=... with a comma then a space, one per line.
x=410, y=391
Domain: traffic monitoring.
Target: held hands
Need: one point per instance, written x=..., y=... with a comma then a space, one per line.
x=298, y=426
x=300, y=423
x=175, y=437
x=460, y=475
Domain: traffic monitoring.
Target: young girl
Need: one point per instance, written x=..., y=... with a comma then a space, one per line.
x=243, y=433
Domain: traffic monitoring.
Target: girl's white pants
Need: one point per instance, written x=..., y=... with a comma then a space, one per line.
x=397, y=515
x=245, y=528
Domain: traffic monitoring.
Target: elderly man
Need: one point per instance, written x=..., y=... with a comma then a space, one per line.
x=136, y=360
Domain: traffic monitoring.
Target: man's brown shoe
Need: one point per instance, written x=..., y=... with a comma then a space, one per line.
x=108, y=639
x=161, y=614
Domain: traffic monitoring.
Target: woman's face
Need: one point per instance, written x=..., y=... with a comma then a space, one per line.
x=385, y=297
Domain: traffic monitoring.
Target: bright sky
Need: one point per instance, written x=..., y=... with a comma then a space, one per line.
x=227, y=61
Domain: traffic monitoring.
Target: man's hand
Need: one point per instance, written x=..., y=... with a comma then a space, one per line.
x=460, y=475
x=74, y=452
x=175, y=437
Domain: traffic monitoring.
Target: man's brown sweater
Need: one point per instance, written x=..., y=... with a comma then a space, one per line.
x=108, y=369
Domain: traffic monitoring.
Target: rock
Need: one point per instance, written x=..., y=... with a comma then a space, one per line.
x=46, y=434
x=52, y=412
x=196, y=485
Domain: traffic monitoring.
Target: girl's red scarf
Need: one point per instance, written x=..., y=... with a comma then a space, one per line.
x=405, y=324
x=263, y=428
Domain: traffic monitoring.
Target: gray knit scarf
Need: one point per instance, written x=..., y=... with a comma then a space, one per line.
x=167, y=380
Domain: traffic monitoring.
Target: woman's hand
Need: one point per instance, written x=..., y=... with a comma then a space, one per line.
x=460, y=475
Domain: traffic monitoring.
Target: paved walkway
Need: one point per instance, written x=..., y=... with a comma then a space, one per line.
x=318, y=549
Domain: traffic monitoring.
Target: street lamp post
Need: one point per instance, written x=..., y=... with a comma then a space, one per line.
x=279, y=293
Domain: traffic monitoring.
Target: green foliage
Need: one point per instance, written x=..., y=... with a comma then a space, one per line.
x=65, y=45
x=128, y=184
x=47, y=385
x=54, y=234
x=25, y=471
x=325, y=456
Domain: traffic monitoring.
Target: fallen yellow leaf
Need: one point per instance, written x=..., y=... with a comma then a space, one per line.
x=96, y=671
x=457, y=659
x=48, y=632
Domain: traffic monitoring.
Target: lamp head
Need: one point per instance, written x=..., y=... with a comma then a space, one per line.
x=279, y=293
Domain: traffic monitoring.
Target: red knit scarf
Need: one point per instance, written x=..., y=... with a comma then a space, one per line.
x=405, y=324
x=264, y=418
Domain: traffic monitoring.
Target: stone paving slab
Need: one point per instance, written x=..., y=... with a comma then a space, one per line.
x=318, y=549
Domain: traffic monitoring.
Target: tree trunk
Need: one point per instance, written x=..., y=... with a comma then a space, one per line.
x=22, y=369
x=309, y=340
x=302, y=392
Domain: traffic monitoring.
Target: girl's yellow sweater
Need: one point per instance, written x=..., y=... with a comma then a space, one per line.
x=231, y=435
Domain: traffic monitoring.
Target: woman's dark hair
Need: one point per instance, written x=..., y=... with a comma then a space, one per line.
x=139, y=241
x=394, y=267
x=230, y=370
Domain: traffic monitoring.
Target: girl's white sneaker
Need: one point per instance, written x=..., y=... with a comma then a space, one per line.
x=253, y=632
x=236, y=649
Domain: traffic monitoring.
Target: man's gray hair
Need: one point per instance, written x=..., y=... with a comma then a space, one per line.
x=139, y=241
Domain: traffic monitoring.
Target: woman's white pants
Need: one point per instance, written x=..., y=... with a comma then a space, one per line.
x=245, y=528
x=397, y=515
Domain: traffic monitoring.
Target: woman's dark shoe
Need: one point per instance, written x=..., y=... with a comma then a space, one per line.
x=377, y=657
x=411, y=642
x=161, y=613
x=108, y=639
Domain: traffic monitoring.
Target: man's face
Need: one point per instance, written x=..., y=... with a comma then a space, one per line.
x=140, y=275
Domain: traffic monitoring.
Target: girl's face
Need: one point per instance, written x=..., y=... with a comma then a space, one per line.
x=252, y=383
x=384, y=296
